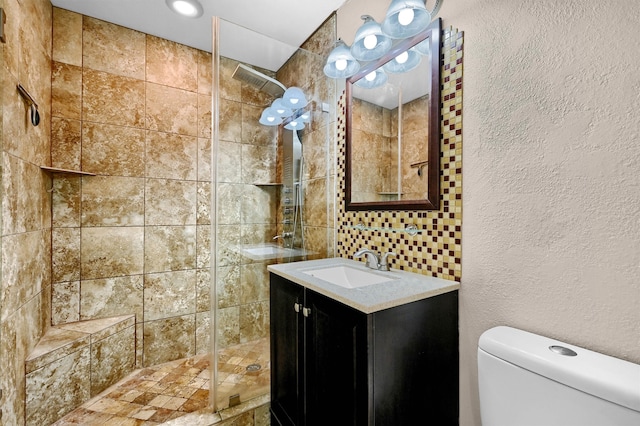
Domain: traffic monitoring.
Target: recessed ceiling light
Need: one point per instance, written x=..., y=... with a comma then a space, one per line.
x=188, y=8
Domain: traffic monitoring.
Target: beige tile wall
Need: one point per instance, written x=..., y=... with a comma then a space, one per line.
x=135, y=238
x=25, y=219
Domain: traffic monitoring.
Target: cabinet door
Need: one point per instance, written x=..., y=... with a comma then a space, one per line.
x=336, y=363
x=286, y=347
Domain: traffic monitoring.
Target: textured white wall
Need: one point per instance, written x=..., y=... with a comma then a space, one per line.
x=551, y=172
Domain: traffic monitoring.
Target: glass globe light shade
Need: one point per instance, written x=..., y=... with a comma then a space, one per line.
x=405, y=18
x=406, y=61
x=294, y=98
x=341, y=63
x=372, y=80
x=370, y=43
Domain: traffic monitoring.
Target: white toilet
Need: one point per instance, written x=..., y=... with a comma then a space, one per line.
x=529, y=380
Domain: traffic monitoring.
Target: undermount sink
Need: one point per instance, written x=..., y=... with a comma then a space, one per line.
x=348, y=277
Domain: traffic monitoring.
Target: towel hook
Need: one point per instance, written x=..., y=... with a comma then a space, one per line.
x=33, y=106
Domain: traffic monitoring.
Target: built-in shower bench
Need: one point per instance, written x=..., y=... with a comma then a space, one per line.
x=75, y=361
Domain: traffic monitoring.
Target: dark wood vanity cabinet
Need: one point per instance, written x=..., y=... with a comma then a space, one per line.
x=334, y=365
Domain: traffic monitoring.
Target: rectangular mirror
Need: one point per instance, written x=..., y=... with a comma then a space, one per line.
x=393, y=128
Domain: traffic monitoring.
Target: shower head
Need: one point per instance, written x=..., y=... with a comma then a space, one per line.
x=258, y=80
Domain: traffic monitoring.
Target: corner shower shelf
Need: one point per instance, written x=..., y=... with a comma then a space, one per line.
x=267, y=183
x=65, y=171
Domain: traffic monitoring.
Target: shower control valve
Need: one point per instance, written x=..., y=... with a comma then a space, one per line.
x=284, y=235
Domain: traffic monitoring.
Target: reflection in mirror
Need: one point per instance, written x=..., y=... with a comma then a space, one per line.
x=393, y=128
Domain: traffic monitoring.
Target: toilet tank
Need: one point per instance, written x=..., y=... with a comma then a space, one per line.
x=529, y=380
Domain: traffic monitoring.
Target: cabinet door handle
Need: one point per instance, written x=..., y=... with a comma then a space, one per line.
x=296, y=307
x=306, y=311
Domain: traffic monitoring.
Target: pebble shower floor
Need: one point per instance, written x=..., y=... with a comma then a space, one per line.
x=157, y=394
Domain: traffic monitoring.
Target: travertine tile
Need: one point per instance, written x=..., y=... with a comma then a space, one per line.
x=171, y=110
x=230, y=128
x=66, y=201
x=254, y=283
x=23, y=275
x=170, y=202
x=66, y=143
x=64, y=384
x=183, y=72
x=169, y=339
x=203, y=290
x=66, y=91
x=228, y=328
x=228, y=240
x=255, y=133
x=113, y=201
x=205, y=72
x=169, y=294
x=228, y=196
x=230, y=88
x=171, y=156
x=253, y=321
x=258, y=164
x=112, y=358
x=169, y=248
x=111, y=296
x=26, y=203
x=55, y=345
x=228, y=292
x=126, y=48
x=203, y=246
x=204, y=160
x=65, y=254
x=112, y=252
x=229, y=161
x=67, y=37
x=101, y=328
x=258, y=204
x=203, y=332
x=112, y=150
x=113, y=99
x=65, y=302
x=204, y=116
x=203, y=214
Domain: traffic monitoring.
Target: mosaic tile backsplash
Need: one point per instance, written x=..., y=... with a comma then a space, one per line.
x=436, y=250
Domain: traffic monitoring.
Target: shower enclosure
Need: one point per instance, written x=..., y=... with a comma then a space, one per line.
x=272, y=194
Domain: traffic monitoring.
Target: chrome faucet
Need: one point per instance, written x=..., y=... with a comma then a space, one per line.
x=374, y=261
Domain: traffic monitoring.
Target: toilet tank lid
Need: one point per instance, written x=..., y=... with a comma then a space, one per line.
x=606, y=377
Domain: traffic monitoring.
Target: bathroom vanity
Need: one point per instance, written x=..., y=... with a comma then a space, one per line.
x=354, y=346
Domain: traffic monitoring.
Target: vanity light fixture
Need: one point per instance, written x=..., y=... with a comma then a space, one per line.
x=370, y=43
x=280, y=110
x=187, y=8
x=404, y=19
x=341, y=63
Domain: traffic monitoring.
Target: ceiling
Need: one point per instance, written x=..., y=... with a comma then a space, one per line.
x=263, y=33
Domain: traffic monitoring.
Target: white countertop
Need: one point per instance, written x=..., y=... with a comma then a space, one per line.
x=406, y=287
